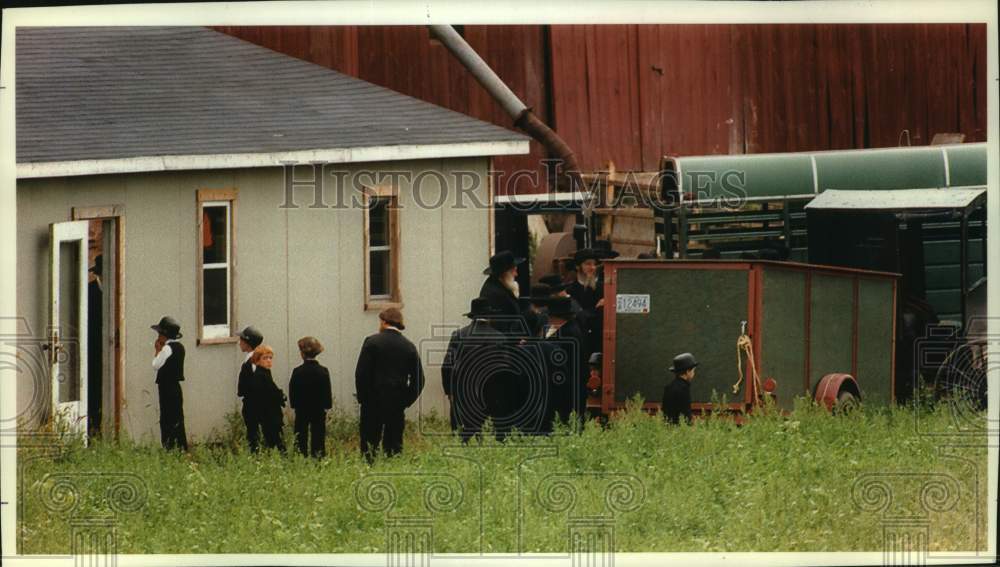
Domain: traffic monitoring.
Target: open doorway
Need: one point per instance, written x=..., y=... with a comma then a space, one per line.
x=104, y=358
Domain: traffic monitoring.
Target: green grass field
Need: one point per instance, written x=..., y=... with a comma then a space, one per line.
x=807, y=481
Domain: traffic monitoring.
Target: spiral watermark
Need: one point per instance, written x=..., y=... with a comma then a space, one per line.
x=907, y=505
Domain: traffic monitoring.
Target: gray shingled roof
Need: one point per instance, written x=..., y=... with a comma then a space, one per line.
x=120, y=92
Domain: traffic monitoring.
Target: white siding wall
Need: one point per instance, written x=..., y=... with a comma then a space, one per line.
x=299, y=271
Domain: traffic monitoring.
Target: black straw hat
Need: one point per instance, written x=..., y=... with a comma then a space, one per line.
x=501, y=262
x=252, y=336
x=682, y=362
x=168, y=327
x=480, y=308
x=561, y=307
x=584, y=254
x=603, y=249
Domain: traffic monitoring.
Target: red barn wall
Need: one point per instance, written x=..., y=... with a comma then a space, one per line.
x=633, y=93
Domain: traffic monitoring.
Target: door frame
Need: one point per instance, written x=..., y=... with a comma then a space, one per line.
x=114, y=213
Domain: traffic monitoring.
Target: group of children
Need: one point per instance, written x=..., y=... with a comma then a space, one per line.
x=309, y=392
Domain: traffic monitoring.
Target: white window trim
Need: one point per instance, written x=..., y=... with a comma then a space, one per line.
x=223, y=332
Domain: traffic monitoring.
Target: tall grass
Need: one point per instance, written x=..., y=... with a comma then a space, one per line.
x=775, y=483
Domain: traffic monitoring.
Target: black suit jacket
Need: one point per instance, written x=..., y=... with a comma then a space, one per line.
x=388, y=371
x=566, y=371
x=677, y=401
x=475, y=341
x=503, y=301
x=263, y=396
x=309, y=388
x=243, y=382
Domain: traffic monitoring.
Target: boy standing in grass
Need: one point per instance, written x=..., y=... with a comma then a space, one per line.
x=168, y=362
x=266, y=398
x=250, y=338
x=677, y=394
x=310, y=397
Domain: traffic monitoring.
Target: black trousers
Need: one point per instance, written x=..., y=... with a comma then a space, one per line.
x=305, y=421
x=172, y=434
x=253, y=423
x=381, y=425
x=272, y=433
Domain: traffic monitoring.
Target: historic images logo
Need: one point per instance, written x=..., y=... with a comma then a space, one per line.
x=510, y=384
x=950, y=367
x=30, y=361
x=905, y=503
x=586, y=503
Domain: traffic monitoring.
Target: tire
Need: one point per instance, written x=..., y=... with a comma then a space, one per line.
x=847, y=402
x=961, y=378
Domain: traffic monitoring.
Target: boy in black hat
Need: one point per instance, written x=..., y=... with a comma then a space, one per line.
x=168, y=362
x=677, y=394
x=310, y=396
x=250, y=338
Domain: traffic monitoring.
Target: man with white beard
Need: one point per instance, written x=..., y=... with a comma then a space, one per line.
x=501, y=291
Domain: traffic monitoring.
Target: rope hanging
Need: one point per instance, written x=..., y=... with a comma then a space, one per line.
x=744, y=344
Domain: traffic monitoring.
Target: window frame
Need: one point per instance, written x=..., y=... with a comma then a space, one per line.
x=394, y=298
x=216, y=334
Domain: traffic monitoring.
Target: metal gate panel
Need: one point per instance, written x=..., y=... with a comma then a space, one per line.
x=784, y=336
x=831, y=326
x=692, y=309
x=876, y=317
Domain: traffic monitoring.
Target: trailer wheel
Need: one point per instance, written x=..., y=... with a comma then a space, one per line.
x=847, y=402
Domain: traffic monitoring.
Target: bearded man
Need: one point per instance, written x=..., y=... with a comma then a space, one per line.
x=500, y=290
x=588, y=292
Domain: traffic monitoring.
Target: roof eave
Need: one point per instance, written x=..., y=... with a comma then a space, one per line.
x=143, y=164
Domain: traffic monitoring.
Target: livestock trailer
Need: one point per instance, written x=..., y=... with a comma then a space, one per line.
x=809, y=330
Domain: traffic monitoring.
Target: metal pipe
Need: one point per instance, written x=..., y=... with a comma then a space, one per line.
x=520, y=113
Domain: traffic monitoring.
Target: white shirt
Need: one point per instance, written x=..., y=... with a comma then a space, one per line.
x=252, y=365
x=163, y=355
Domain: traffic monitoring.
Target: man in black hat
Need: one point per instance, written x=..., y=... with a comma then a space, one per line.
x=474, y=371
x=536, y=313
x=677, y=394
x=168, y=362
x=388, y=379
x=501, y=291
x=250, y=338
x=588, y=291
x=566, y=363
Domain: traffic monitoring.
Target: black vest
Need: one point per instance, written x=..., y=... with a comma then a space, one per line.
x=173, y=369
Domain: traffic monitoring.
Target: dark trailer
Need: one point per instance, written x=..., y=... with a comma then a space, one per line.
x=806, y=330
x=887, y=232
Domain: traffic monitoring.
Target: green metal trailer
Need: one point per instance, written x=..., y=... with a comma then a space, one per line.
x=742, y=203
x=812, y=331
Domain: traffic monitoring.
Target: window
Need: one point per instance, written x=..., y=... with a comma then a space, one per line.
x=216, y=217
x=381, y=247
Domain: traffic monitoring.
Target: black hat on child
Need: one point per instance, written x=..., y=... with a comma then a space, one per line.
x=252, y=336
x=168, y=327
x=683, y=362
